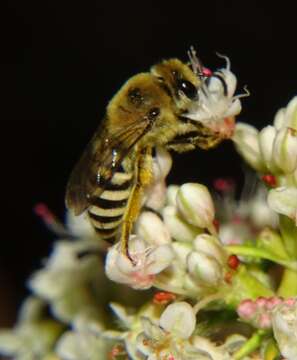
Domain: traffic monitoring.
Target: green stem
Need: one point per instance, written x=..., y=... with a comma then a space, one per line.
x=289, y=234
x=251, y=345
x=288, y=285
x=260, y=253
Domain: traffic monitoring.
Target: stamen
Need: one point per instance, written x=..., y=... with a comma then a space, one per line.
x=240, y=96
x=195, y=62
x=228, y=62
x=50, y=220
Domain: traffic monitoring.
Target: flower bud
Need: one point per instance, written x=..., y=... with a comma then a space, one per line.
x=210, y=246
x=171, y=194
x=247, y=144
x=285, y=150
x=178, y=228
x=247, y=309
x=266, y=140
x=161, y=164
x=182, y=250
x=195, y=205
x=152, y=229
x=280, y=118
x=155, y=195
x=291, y=114
x=284, y=201
x=204, y=268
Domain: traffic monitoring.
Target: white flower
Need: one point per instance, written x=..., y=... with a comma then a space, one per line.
x=148, y=261
x=283, y=200
x=66, y=277
x=85, y=341
x=178, y=319
x=170, y=334
x=195, y=205
x=33, y=337
x=172, y=337
x=216, y=105
x=284, y=323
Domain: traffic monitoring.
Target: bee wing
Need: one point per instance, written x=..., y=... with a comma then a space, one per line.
x=102, y=157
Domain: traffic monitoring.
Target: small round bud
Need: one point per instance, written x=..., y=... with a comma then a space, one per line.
x=195, y=205
x=204, y=268
x=247, y=144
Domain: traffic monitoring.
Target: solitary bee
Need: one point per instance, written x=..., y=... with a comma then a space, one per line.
x=173, y=106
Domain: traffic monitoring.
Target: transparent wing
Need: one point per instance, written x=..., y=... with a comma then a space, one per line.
x=102, y=157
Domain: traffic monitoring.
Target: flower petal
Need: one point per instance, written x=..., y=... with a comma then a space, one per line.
x=179, y=318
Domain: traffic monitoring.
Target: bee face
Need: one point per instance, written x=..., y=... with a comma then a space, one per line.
x=178, y=80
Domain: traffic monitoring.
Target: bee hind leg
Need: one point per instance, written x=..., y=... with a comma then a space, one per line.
x=143, y=178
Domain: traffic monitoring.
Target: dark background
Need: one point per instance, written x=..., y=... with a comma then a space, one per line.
x=60, y=64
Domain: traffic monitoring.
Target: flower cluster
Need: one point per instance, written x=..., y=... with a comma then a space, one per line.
x=273, y=153
x=260, y=311
x=209, y=277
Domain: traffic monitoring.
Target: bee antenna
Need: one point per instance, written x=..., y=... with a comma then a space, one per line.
x=228, y=62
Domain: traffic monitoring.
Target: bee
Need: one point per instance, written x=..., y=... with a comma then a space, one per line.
x=172, y=106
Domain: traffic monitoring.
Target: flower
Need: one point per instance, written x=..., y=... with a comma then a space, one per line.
x=172, y=337
x=284, y=324
x=148, y=262
x=216, y=105
x=55, y=283
x=261, y=312
x=84, y=341
x=33, y=336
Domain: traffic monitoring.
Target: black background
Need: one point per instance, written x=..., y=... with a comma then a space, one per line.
x=61, y=62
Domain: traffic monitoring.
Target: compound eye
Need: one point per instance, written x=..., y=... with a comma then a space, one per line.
x=153, y=113
x=187, y=88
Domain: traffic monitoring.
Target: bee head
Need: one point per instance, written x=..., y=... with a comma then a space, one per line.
x=178, y=80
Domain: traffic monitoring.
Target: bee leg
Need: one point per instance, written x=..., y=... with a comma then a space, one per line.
x=207, y=142
x=204, y=142
x=143, y=178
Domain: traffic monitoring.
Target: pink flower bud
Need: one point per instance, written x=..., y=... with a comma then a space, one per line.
x=247, y=309
x=264, y=321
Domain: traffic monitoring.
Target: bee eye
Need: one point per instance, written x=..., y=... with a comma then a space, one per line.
x=187, y=88
x=153, y=113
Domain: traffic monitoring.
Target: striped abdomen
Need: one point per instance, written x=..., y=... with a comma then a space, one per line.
x=107, y=210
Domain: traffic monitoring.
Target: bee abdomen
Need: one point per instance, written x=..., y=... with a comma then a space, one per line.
x=107, y=210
